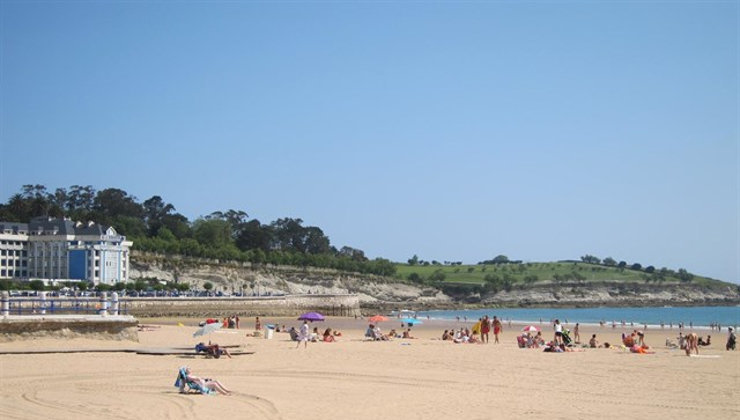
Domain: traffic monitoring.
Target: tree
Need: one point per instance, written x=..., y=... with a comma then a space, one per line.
x=413, y=260
x=214, y=233
x=650, y=269
x=352, y=253
x=155, y=209
x=501, y=259
x=208, y=285
x=253, y=235
x=684, y=275
x=590, y=259
x=112, y=202
x=610, y=261
x=80, y=201
x=636, y=267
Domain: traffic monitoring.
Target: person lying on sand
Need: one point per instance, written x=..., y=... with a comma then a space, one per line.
x=212, y=349
x=641, y=349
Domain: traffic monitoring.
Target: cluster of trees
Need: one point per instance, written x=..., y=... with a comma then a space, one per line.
x=653, y=274
x=416, y=261
x=500, y=259
x=154, y=225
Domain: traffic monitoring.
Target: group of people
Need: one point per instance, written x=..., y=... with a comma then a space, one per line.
x=528, y=341
x=461, y=336
x=303, y=335
x=486, y=325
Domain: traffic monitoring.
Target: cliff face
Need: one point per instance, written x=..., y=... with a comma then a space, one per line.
x=374, y=291
x=272, y=280
x=632, y=294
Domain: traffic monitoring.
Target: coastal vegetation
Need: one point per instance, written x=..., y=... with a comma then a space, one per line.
x=502, y=273
x=155, y=227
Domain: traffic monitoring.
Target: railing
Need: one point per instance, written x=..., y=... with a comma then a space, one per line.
x=56, y=306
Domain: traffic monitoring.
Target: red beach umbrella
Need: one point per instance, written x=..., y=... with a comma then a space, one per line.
x=378, y=318
x=530, y=328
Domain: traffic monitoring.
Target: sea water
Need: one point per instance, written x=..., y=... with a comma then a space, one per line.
x=698, y=316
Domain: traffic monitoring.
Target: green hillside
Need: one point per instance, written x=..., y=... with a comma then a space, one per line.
x=546, y=272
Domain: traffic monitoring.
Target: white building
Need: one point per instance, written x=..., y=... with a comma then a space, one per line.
x=13, y=250
x=59, y=250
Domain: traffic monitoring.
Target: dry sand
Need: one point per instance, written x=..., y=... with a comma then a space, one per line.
x=424, y=378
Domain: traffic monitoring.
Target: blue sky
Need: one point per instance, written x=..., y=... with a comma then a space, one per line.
x=455, y=131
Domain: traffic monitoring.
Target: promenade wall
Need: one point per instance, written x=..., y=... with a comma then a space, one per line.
x=289, y=305
x=145, y=307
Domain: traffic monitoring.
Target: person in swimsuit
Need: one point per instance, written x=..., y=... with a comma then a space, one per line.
x=496, y=329
x=485, y=328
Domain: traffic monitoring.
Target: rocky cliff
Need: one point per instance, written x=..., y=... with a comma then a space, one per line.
x=380, y=292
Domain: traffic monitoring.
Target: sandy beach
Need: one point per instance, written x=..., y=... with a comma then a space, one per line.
x=422, y=378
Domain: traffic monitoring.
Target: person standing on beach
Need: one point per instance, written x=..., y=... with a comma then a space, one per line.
x=303, y=335
x=257, y=324
x=577, y=334
x=485, y=327
x=496, y=328
x=731, y=340
x=558, y=332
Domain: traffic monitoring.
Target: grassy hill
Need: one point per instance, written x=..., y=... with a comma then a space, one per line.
x=545, y=272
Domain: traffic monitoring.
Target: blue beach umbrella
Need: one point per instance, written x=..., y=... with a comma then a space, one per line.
x=411, y=321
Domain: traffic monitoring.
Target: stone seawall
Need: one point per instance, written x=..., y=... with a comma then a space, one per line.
x=291, y=305
x=68, y=326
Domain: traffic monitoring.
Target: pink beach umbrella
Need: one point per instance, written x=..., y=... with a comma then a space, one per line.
x=530, y=328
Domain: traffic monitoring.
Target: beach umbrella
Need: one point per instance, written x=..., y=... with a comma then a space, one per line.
x=311, y=316
x=378, y=318
x=411, y=321
x=530, y=328
x=207, y=329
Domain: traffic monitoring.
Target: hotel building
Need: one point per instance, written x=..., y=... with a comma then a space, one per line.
x=61, y=250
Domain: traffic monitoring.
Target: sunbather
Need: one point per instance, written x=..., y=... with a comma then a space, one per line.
x=212, y=349
x=202, y=383
x=328, y=336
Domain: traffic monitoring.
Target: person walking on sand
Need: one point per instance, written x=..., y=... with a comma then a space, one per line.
x=257, y=324
x=577, y=334
x=303, y=335
x=496, y=329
